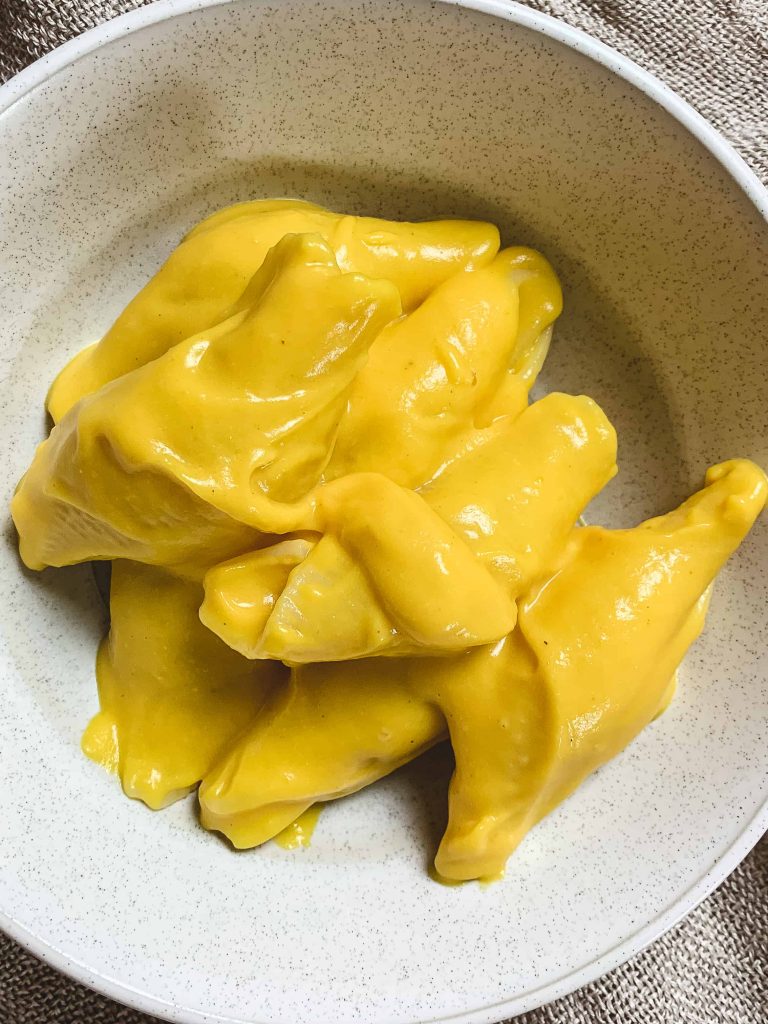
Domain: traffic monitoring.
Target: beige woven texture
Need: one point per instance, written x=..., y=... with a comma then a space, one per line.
x=713, y=967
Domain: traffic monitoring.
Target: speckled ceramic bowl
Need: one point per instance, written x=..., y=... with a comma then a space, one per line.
x=109, y=149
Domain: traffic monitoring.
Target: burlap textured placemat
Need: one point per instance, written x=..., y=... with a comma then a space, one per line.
x=712, y=968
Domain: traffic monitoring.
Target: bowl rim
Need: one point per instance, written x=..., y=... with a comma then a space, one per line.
x=158, y=11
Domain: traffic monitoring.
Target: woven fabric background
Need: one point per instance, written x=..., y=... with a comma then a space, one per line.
x=712, y=968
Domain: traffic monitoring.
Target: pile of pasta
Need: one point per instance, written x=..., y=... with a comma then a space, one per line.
x=340, y=532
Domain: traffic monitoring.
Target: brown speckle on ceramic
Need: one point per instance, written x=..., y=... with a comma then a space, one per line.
x=411, y=110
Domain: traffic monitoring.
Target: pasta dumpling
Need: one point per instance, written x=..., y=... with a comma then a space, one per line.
x=172, y=695
x=217, y=441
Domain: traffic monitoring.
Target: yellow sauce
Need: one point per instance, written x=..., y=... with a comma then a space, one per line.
x=298, y=835
x=341, y=533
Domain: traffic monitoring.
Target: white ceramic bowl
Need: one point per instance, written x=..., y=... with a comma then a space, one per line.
x=109, y=149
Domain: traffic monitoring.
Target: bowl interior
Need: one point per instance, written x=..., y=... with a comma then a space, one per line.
x=407, y=110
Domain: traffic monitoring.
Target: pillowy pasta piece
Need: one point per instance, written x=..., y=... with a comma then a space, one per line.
x=201, y=282
x=502, y=512
x=515, y=498
x=172, y=695
x=194, y=454
x=332, y=731
x=541, y=302
x=240, y=594
x=416, y=255
x=264, y=210
x=362, y=589
x=588, y=667
x=195, y=289
x=428, y=376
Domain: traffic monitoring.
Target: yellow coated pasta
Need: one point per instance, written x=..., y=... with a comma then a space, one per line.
x=341, y=532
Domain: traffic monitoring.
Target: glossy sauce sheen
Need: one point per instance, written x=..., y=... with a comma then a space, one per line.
x=341, y=533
